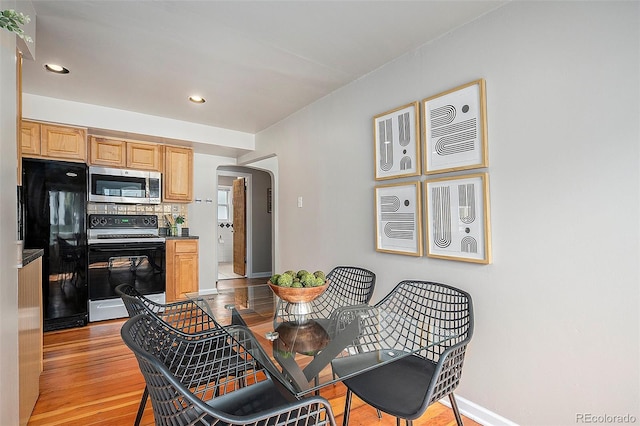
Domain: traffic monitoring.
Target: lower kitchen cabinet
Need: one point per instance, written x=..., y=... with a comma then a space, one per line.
x=29, y=336
x=182, y=268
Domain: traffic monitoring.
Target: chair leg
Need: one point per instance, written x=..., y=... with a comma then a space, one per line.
x=379, y=413
x=456, y=412
x=347, y=407
x=143, y=403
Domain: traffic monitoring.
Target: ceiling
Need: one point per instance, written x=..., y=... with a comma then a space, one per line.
x=255, y=62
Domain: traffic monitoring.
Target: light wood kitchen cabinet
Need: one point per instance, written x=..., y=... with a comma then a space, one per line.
x=29, y=336
x=129, y=154
x=62, y=142
x=177, y=180
x=42, y=140
x=182, y=268
x=30, y=138
x=107, y=152
x=144, y=156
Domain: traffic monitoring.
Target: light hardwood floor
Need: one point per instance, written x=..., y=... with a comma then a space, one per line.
x=91, y=378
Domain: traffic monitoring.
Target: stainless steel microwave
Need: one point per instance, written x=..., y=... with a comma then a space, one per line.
x=109, y=185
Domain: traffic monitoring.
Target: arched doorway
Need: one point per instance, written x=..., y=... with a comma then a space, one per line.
x=257, y=228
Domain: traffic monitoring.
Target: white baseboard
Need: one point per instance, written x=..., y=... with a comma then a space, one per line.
x=478, y=413
x=261, y=275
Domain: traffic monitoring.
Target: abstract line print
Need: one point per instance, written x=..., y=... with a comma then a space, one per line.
x=467, y=215
x=454, y=130
x=441, y=208
x=398, y=218
x=456, y=218
x=396, y=225
x=467, y=203
x=396, y=142
x=385, y=135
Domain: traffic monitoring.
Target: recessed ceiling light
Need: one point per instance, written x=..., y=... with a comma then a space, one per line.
x=197, y=99
x=58, y=69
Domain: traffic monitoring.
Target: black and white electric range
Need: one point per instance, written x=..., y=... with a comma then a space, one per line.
x=123, y=249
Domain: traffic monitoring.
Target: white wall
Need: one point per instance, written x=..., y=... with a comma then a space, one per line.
x=225, y=244
x=557, y=325
x=8, y=232
x=80, y=114
x=202, y=215
x=270, y=165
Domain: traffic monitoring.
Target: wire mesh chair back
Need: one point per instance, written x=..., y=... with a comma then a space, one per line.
x=200, y=363
x=190, y=378
x=414, y=315
x=184, y=315
x=348, y=285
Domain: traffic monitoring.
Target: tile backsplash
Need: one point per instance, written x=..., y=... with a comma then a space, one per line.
x=171, y=209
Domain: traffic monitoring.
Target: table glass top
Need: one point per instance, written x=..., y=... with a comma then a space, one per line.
x=307, y=351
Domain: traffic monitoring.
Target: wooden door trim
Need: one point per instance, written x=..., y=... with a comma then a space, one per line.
x=239, y=202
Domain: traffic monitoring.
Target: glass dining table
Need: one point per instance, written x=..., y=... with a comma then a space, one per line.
x=305, y=352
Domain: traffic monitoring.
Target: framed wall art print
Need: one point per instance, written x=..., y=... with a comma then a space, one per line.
x=399, y=218
x=455, y=129
x=458, y=225
x=396, y=135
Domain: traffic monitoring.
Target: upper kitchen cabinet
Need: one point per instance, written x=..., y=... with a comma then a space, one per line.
x=53, y=141
x=144, y=156
x=107, y=152
x=68, y=143
x=178, y=174
x=30, y=138
x=119, y=153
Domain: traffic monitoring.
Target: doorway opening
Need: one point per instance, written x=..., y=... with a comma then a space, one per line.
x=232, y=223
x=244, y=223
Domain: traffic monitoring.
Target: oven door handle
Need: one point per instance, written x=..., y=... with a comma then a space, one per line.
x=134, y=261
x=122, y=248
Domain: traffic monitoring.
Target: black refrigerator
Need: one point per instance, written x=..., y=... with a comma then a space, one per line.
x=54, y=194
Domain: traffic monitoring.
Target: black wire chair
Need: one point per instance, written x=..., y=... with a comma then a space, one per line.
x=192, y=380
x=348, y=285
x=184, y=316
x=413, y=313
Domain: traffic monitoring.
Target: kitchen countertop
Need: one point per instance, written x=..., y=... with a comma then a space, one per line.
x=29, y=255
x=190, y=237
